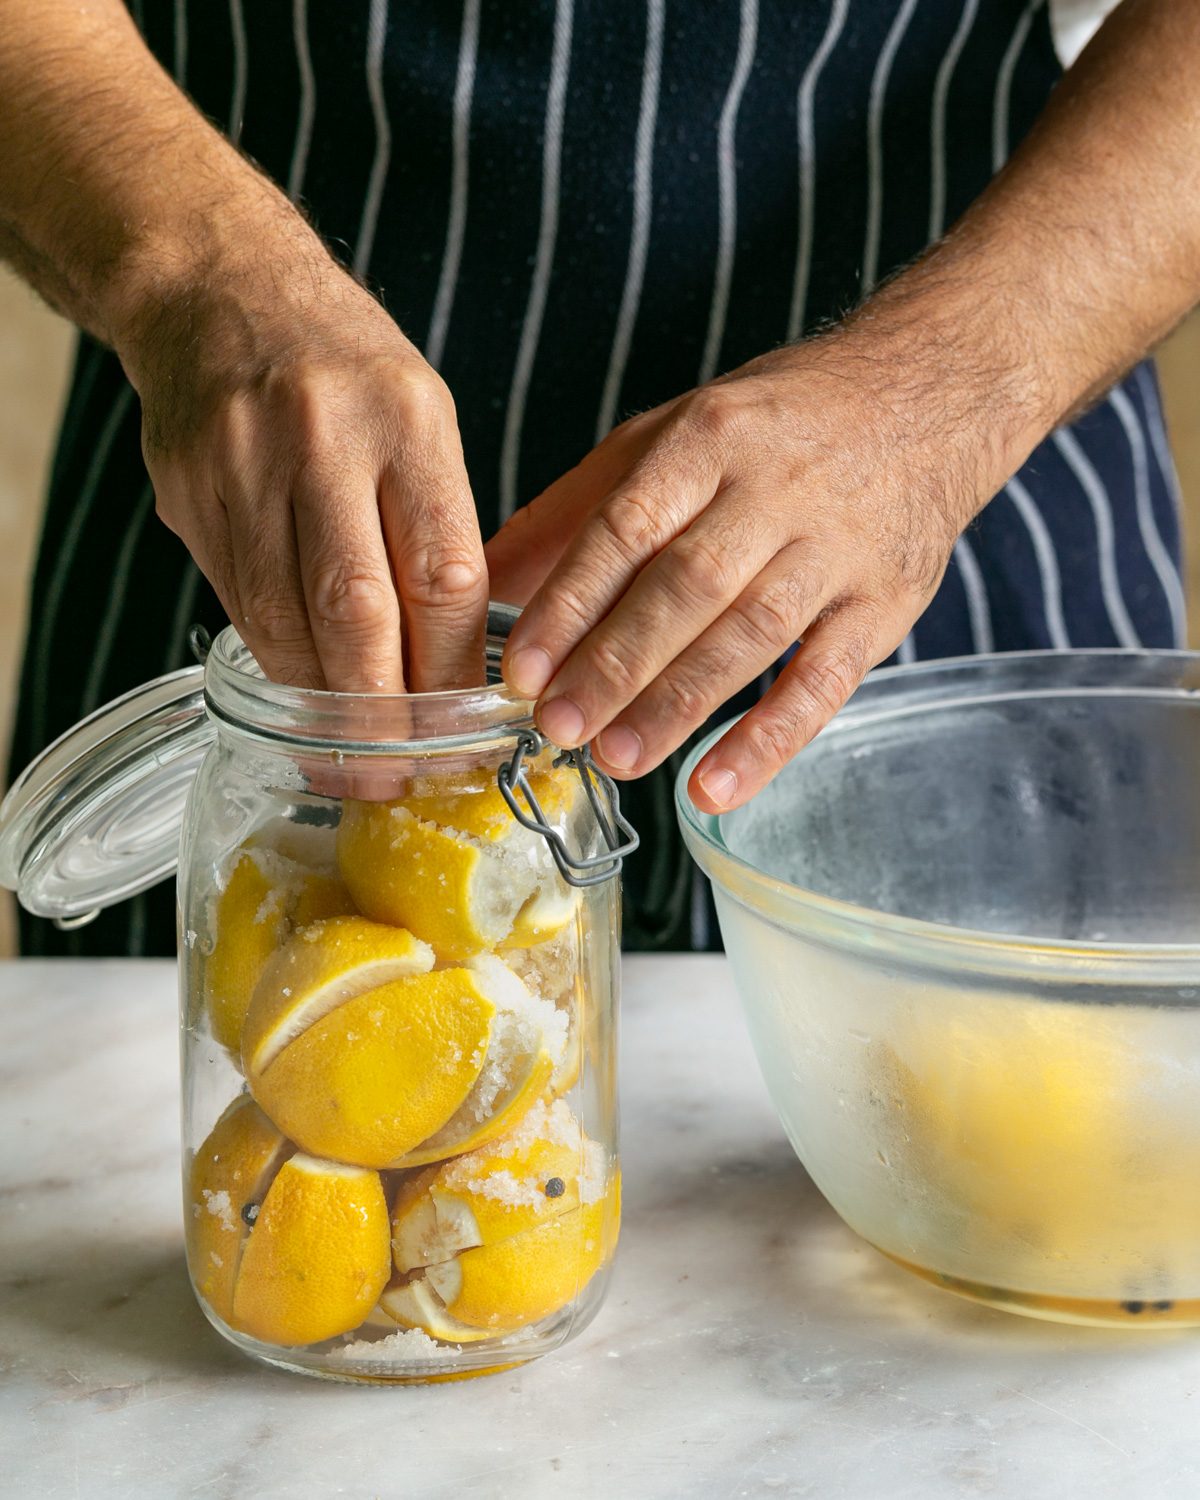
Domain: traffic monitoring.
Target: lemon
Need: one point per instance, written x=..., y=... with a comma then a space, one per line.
x=539, y=1170
x=505, y=1236
x=527, y=1048
x=1016, y=1112
x=356, y=1063
x=263, y=896
x=455, y=867
x=317, y=1258
x=457, y=893
x=229, y=1176
x=321, y=967
x=546, y=914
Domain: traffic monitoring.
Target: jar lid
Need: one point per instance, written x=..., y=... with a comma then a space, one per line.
x=96, y=817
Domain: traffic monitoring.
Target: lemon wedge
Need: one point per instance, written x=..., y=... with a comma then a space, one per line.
x=359, y=1053
x=317, y=1257
x=228, y=1179
x=263, y=895
x=506, y=1235
x=321, y=967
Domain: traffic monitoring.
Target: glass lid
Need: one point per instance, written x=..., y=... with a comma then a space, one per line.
x=96, y=817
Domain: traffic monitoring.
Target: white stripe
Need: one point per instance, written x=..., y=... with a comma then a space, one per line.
x=1110, y=584
x=1152, y=541
x=189, y=587
x=1158, y=434
x=531, y=331
x=1004, y=79
x=66, y=557
x=1047, y=561
x=376, y=35
x=906, y=652
x=180, y=70
x=308, y=99
x=237, y=105
x=806, y=137
x=727, y=188
x=464, y=84
x=875, y=108
x=117, y=587
x=937, y=132
x=982, y=639
x=639, y=239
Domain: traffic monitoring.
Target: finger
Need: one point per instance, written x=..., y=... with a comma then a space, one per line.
x=651, y=506
x=353, y=612
x=836, y=655
x=525, y=549
x=273, y=617
x=761, y=624
x=436, y=551
x=692, y=582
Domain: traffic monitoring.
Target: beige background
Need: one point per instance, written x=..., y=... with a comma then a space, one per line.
x=35, y=349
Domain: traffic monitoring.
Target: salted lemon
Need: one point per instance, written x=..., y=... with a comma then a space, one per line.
x=506, y=1235
x=317, y=1258
x=264, y=894
x=229, y=1177
x=455, y=867
x=455, y=892
x=401, y=1070
x=321, y=967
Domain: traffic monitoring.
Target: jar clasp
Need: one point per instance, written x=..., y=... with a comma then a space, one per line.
x=617, y=832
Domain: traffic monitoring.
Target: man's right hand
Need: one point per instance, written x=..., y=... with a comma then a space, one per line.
x=309, y=459
x=299, y=445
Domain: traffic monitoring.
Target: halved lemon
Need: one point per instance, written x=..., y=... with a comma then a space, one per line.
x=229, y=1177
x=358, y=1063
x=317, y=1258
x=506, y=1235
x=321, y=967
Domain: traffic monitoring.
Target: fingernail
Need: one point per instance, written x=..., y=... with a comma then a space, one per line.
x=529, y=670
x=719, y=786
x=562, y=720
x=620, y=747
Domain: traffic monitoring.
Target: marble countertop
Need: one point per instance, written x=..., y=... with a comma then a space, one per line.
x=751, y=1345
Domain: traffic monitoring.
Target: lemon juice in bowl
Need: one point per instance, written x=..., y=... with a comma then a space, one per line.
x=399, y=934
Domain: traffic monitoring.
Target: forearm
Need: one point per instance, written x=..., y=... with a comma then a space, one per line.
x=1077, y=260
x=115, y=193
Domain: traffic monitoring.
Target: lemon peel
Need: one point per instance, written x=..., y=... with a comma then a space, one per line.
x=506, y=1235
x=231, y=1170
x=317, y=1258
x=262, y=896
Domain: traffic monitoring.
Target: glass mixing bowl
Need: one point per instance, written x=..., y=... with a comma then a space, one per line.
x=965, y=928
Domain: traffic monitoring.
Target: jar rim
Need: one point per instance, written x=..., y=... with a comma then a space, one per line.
x=240, y=698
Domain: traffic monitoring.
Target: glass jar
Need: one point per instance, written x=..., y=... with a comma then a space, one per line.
x=399, y=946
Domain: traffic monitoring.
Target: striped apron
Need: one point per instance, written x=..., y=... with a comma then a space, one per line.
x=578, y=210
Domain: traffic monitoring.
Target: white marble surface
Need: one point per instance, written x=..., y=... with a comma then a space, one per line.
x=751, y=1345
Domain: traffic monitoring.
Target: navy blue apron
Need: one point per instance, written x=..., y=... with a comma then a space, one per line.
x=578, y=210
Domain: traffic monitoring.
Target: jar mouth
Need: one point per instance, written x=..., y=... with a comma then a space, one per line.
x=240, y=698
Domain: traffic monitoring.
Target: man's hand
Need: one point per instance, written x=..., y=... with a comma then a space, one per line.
x=802, y=496
x=815, y=494
x=298, y=443
x=309, y=459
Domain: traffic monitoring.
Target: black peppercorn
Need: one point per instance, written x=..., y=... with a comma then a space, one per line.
x=249, y=1214
x=1134, y=1307
x=555, y=1188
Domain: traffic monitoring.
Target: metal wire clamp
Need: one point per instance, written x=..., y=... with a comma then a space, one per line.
x=617, y=832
